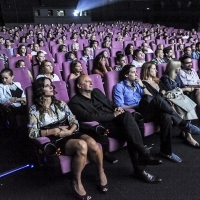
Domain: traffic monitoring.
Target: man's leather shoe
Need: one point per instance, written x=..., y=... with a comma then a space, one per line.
x=147, y=159
x=109, y=158
x=146, y=177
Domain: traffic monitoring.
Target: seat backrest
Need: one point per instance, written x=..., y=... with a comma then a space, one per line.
x=97, y=51
x=161, y=68
x=5, y=51
x=149, y=56
x=60, y=58
x=21, y=75
x=47, y=57
x=96, y=80
x=113, y=51
x=90, y=66
x=110, y=80
x=13, y=60
x=60, y=88
x=195, y=64
x=112, y=61
x=117, y=45
x=54, y=49
x=55, y=67
x=66, y=70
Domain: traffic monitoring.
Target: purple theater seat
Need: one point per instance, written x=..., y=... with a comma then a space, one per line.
x=66, y=70
x=65, y=161
x=161, y=68
x=54, y=50
x=21, y=75
x=97, y=51
x=13, y=60
x=149, y=56
x=47, y=57
x=55, y=67
x=117, y=45
x=112, y=61
x=60, y=58
x=138, y=43
x=195, y=64
x=5, y=51
x=90, y=66
x=110, y=80
x=61, y=90
x=113, y=51
x=96, y=80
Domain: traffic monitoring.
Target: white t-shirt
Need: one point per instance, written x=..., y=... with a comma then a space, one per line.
x=137, y=64
x=55, y=77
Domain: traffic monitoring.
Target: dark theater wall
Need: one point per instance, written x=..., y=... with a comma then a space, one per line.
x=170, y=13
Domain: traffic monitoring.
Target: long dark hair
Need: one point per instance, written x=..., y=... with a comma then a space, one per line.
x=19, y=49
x=73, y=65
x=38, y=93
x=97, y=64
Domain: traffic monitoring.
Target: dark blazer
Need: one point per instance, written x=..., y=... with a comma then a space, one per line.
x=85, y=111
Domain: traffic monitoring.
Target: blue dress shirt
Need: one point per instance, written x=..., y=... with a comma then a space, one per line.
x=125, y=95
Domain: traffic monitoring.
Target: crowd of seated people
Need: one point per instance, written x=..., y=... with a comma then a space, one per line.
x=123, y=47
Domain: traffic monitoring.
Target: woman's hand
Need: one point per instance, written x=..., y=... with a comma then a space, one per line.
x=12, y=100
x=64, y=131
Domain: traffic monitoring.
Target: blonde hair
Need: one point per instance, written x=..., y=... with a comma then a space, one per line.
x=171, y=68
x=145, y=72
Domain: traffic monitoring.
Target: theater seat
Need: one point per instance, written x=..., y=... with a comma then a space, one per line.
x=110, y=80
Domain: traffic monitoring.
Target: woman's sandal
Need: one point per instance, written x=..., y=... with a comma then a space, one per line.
x=81, y=197
x=103, y=188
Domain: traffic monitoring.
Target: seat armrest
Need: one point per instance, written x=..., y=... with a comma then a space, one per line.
x=93, y=123
x=41, y=140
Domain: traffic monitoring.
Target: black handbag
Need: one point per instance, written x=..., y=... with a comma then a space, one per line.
x=51, y=148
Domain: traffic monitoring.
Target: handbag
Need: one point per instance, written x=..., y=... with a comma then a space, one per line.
x=51, y=148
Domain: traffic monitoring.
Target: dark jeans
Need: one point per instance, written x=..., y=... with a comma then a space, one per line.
x=126, y=129
x=160, y=112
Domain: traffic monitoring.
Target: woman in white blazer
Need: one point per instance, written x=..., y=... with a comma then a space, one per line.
x=12, y=97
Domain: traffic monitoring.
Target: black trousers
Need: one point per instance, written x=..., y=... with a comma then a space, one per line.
x=125, y=128
x=160, y=112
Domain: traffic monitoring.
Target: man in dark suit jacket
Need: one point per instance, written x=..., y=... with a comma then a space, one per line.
x=92, y=105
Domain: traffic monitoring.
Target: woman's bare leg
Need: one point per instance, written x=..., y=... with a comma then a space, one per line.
x=77, y=148
x=96, y=155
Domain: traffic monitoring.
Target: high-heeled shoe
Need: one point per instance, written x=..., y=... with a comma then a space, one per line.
x=81, y=197
x=103, y=188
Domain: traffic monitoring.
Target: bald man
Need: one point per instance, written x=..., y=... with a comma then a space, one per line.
x=92, y=105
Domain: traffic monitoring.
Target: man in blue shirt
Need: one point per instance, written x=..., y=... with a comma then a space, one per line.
x=132, y=93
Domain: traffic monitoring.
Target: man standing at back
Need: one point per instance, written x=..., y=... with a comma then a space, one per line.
x=92, y=105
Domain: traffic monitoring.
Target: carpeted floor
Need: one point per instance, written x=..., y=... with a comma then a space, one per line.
x=180, y=181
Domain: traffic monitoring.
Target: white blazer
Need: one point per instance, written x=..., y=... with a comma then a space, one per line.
x=5, y=94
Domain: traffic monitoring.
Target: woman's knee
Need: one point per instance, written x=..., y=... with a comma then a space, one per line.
x=81, y=147
x=92, y=144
